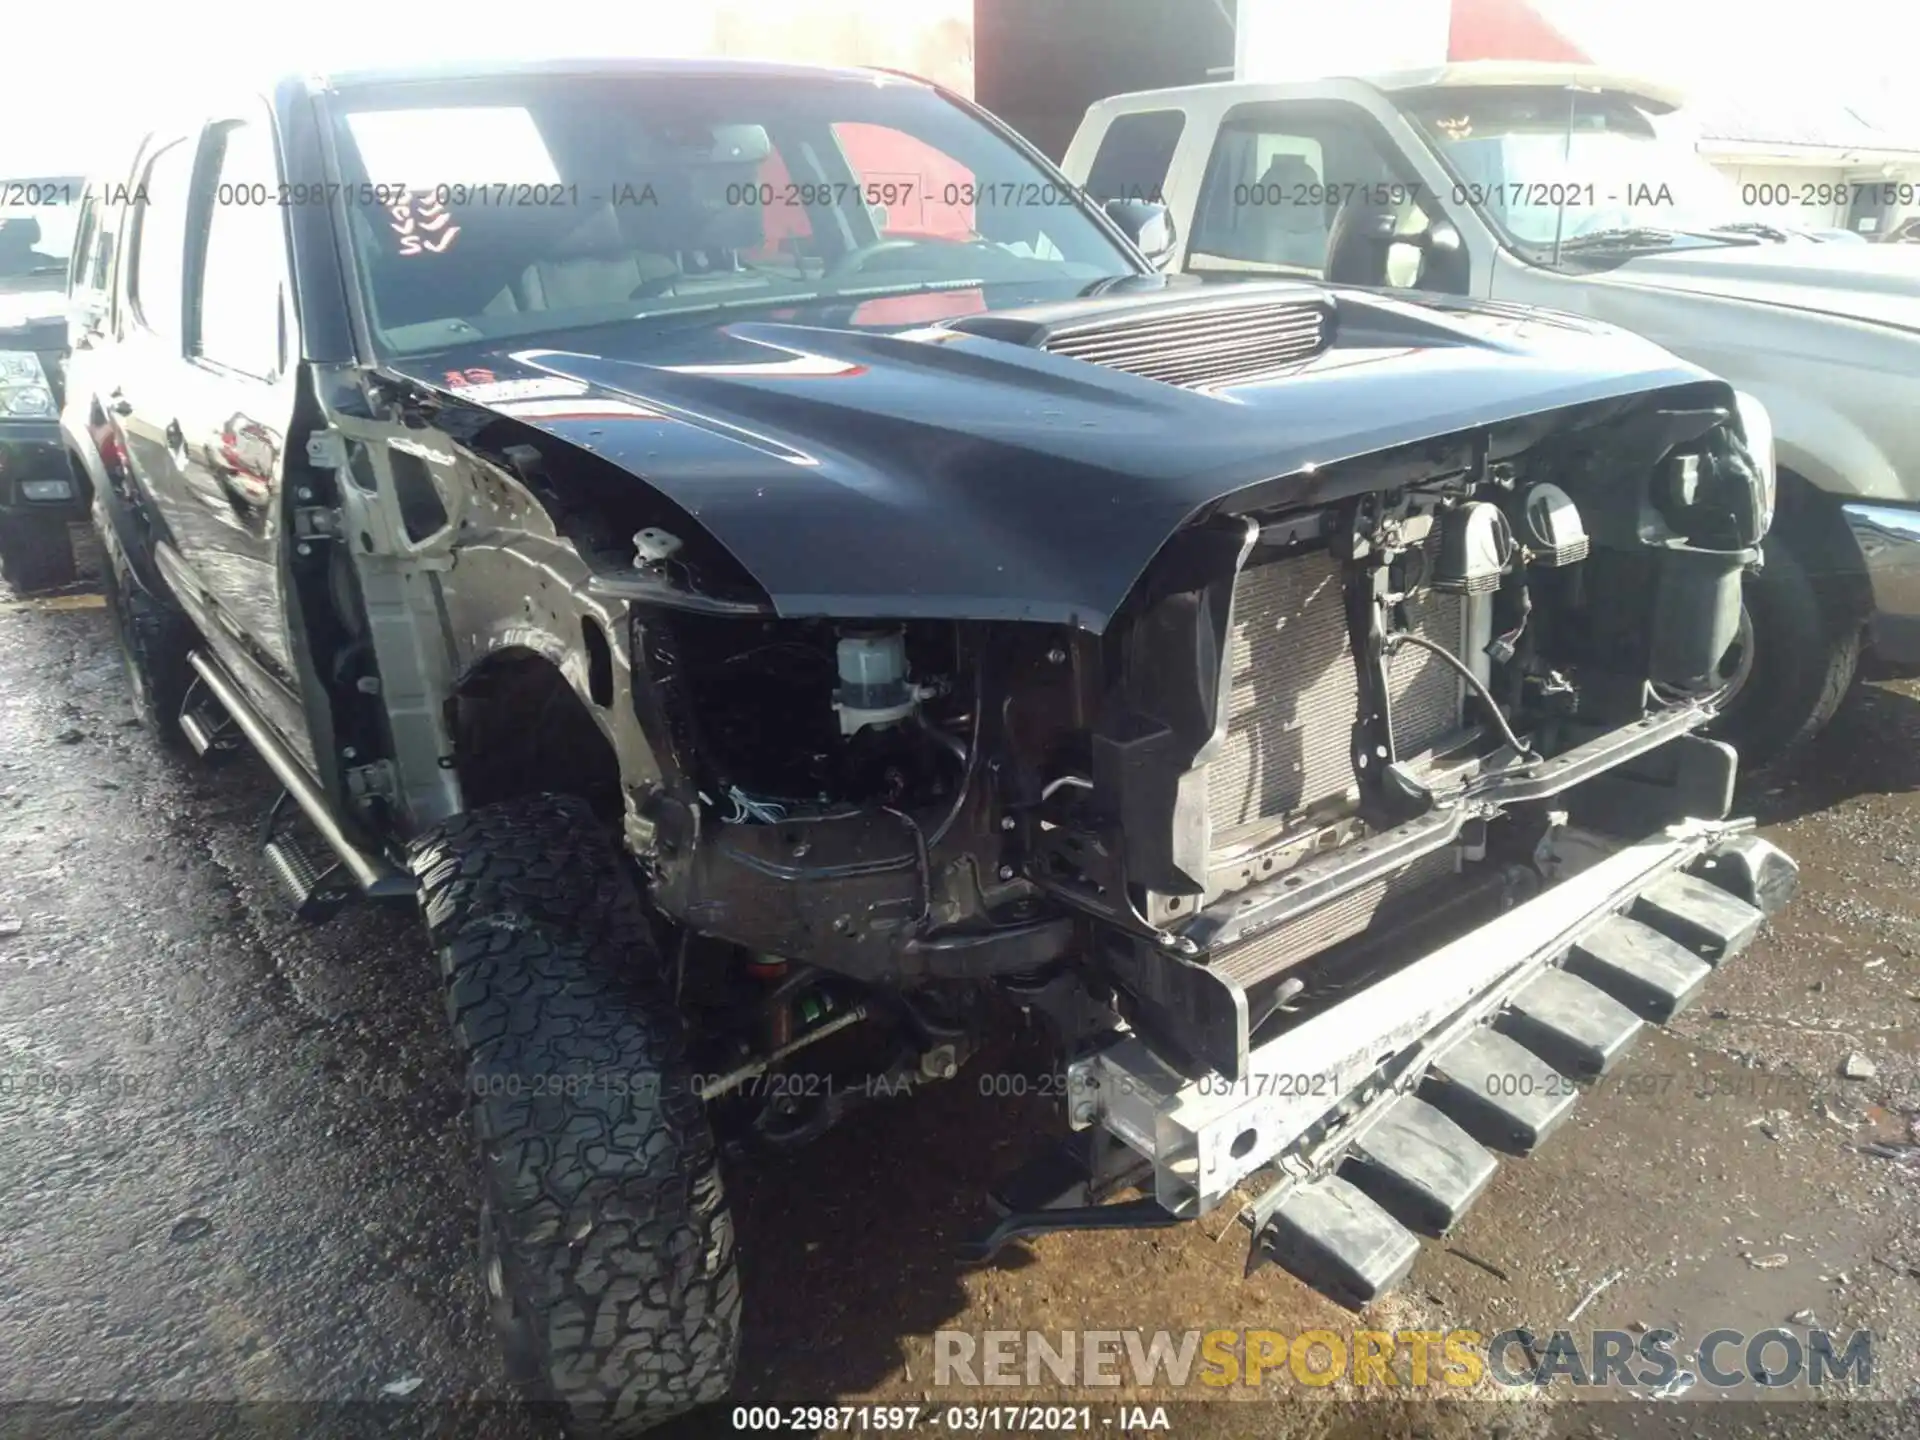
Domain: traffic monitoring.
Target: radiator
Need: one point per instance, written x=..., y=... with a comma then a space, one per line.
x=1294, y=696
x=1286, y=945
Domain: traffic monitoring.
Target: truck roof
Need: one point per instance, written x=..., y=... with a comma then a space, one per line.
x=173, y=113
x=1461, y=74
x=637, y=66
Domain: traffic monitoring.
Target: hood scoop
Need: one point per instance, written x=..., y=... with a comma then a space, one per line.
x=1217, y=341
x=1203, y=347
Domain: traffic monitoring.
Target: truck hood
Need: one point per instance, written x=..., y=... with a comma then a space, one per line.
x=1876, y=283
x=955, y=467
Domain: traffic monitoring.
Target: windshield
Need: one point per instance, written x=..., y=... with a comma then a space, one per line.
x=38, y=216
x=512, y=207
x=1520, y=156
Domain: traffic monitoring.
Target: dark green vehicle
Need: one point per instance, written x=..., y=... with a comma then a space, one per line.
x=39, y=493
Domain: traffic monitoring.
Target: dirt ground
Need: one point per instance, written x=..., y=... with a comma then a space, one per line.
x=235, y=1167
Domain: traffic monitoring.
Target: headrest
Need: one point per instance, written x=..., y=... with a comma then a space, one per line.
x=1289, y=169
x=697, y=208
x=598, y=233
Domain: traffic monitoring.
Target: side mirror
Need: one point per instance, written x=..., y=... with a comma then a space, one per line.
x=1149, y=226
x=1440, y=259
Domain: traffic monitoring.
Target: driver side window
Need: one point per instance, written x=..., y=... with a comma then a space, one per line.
x=1310, y=192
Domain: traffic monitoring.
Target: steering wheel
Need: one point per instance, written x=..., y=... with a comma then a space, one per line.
x=855, y=260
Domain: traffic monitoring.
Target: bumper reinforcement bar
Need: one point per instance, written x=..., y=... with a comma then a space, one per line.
x=1203, y=1004
x=1384, y=1111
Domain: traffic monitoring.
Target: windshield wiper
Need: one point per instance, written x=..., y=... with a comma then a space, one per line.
x=1652, y=237
x=1623, y=237
x=1754, y=227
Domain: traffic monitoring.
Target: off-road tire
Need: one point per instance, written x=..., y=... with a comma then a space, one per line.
x=155, y=639
x=36, y=553
x=607, y=1245
x=1803, y=662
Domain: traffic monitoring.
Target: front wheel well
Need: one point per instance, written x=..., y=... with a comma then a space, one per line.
x=1808, y=520
x=520, y=728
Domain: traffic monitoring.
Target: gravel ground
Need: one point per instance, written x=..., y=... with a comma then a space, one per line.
x=235, y=1166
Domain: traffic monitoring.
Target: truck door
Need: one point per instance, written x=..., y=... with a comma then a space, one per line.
x=234, y=400
x=1315, y=188
x=201, y=383
x=135, y=378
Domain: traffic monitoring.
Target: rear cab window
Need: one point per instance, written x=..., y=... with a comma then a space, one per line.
x=158, y=287
x=1135, y=155
x=237, y=310
x=907, y=187
x=911, y=187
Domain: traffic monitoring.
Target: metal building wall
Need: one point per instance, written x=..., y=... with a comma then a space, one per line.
x=1039, y=63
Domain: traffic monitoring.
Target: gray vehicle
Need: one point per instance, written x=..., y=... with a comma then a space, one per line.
x=39, y=492
x=787, y=588
x=1567, y=186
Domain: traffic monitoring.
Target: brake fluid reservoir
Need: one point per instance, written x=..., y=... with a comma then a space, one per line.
x=873, y=679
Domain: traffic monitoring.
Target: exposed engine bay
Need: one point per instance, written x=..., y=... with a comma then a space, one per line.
x=1306, y=724
x=810, y=719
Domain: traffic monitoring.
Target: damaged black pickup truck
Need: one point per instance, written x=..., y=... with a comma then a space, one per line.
x=786, y=585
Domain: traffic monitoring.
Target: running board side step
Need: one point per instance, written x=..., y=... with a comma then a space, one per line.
x=316, y=894
x=375, y=878
x=1382, y=1113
